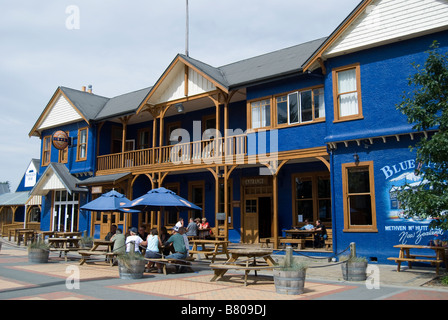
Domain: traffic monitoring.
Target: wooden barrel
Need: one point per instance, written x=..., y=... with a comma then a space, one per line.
x=38, y=255
x=289, y=282
x=132, y=269
x=354, y=271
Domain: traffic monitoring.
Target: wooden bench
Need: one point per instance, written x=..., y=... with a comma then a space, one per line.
x=217, y=267
x=410, y=260
x=300, y=242
x=85, y=254
x=166, y=261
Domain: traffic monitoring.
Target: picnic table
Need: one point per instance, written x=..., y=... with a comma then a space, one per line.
x=96, y=250
x=302, y=237
x=63, y=245
x=67, y=234
x=249, y=263
x=207, y=251
x=406, y=256
x=26, y=234
x=17, y=233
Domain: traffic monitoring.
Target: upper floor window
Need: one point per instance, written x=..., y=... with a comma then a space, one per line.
x=300, y=106
x=46, y=151
x=347, y=93
x=260, y=114
x=82, y=144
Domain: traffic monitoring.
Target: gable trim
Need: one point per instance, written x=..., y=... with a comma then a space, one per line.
x=58, y=93
x=336, y=34
x=169, y=69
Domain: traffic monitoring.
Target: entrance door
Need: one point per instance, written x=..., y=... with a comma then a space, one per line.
x=104, y=220
x=265, y=217
x=251, y=220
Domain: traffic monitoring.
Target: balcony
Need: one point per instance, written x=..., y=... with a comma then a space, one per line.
x=230, y=150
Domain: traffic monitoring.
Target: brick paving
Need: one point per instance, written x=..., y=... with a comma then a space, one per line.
x=21, y=280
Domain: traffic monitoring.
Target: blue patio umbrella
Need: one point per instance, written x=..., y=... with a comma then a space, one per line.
x=110, y=201
x=160, y=199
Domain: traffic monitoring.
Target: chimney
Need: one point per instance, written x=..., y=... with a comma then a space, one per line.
x=83, y=88
x=89, y=88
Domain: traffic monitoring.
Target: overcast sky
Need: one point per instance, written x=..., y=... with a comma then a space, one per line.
x=121, y=46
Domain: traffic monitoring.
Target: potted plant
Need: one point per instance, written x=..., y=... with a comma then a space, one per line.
x=354, y=268
x=86, y=242
x=131, y=265
x=38, y=251
x=289, y=275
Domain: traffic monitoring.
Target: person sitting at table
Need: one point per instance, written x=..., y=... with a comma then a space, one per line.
x=182, y=231
x=321, y=236
x=178, y=243
x=119, y=241
x=164, y=236
x=180, y=223
x=192, y=228
x=143, y=234
x=113, y=230
x=152, y=251
x=134, y=238
x=204, y=224
x=307, y=226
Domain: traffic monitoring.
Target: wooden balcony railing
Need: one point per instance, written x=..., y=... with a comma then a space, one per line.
x=196, y=152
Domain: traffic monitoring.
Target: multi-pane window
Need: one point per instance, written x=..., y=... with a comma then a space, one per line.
x=260, y=114
x=82, y=144
x=312, y=197
x=65, y=211
x=347, y=93
x=46, y=151
x=300, y=106
x=359, y=197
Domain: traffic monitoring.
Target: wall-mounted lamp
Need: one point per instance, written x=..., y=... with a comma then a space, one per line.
x=356, y=158
x=180, y=107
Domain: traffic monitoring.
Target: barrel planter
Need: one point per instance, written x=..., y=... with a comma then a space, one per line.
x=38, y=255
x=131, y=269
x=289, y=282
x=354, y=271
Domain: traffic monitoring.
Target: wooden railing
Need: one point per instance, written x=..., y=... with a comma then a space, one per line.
x=196, y=152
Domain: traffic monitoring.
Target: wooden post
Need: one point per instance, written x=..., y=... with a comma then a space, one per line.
x=275, y=218
x=352, y=250
x=288, y=257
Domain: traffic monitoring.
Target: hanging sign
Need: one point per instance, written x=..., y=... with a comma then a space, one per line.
x=60, y=140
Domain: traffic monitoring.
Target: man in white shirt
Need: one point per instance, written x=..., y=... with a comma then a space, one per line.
x=135, y=239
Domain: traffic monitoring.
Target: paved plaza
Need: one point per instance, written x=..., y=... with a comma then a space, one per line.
x=57, y=280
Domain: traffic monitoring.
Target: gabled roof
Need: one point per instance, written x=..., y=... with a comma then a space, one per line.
x=92, y=107
x=56, y=176
x=245, y=72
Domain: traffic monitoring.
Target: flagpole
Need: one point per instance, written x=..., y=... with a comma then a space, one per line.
x=187, y=30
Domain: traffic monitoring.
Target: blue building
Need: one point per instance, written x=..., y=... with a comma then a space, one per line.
x=307, y=132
